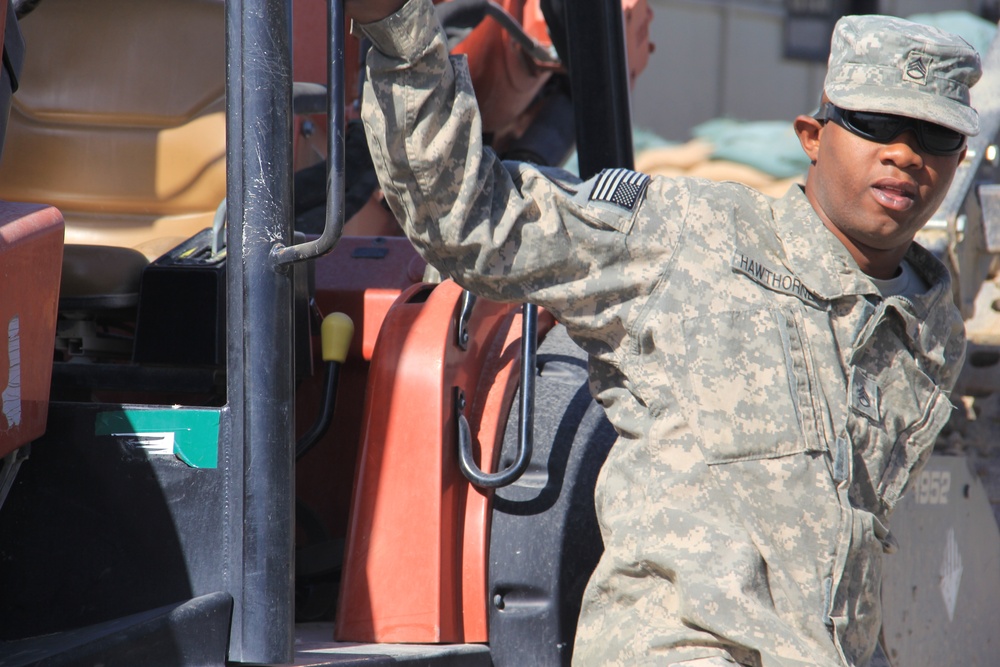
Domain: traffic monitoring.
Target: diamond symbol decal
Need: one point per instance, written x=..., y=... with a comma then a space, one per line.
x=951, y=573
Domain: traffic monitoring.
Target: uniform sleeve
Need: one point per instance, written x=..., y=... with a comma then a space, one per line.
x=506, y=231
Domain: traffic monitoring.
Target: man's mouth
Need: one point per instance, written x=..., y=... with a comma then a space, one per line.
x=894, y=195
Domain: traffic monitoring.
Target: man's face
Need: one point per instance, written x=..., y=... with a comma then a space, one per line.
x=874, y=197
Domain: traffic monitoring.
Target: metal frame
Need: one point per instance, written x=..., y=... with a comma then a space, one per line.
x=598, y=73
x=257, y=456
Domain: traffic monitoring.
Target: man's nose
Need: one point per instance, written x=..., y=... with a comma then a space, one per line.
x=904, y=151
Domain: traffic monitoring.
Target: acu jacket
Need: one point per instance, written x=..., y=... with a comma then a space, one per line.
x=771, y=404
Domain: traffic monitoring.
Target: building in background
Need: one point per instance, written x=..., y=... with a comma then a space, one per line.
x=727, y=58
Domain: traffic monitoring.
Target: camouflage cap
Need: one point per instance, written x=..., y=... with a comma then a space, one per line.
x=890, y=65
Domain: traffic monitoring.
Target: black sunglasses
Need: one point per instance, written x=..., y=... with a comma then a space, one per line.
x=883, y=128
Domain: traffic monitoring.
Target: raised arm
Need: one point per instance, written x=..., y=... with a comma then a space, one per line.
x=507, y=231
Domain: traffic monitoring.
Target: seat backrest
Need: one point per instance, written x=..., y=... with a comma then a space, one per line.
x=120, y=119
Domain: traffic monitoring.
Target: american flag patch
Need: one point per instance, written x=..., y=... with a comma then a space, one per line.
x=623, y=187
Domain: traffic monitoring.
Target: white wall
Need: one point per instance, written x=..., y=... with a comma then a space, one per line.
x=724, y=58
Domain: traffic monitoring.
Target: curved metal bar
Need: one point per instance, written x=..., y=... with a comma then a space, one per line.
x=526, y=415
x=283, y=255
x=486, y=480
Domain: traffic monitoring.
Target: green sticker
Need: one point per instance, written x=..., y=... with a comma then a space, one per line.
x=192, y=435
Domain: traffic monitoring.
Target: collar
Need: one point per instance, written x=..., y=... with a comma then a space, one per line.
x=813, y=253
x=825, y=266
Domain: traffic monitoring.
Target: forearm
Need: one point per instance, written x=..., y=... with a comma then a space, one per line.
x=457, y=202
x=506, y=231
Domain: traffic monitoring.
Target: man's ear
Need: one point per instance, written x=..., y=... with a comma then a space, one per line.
x=808, y=130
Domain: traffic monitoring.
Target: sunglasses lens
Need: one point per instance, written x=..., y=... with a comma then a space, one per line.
x=885, y=127
x=876, y=126
x=940, y=139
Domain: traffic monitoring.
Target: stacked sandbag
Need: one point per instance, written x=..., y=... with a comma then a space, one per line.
x=764, y=155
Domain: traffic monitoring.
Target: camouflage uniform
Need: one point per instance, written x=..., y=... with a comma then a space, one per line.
x=771, y=405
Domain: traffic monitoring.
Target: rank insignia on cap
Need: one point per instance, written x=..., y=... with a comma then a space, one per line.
x=622, y=187
x=915, y=69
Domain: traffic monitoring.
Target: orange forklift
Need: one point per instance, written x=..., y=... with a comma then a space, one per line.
x=236, y=429
x=229, y=441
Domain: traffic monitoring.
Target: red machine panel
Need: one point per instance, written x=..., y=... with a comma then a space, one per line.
x=31, y=245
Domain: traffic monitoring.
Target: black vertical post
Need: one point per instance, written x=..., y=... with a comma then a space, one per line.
x=599, y=82
x=258, y=454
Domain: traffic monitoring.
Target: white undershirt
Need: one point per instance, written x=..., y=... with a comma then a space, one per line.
x=907, y=284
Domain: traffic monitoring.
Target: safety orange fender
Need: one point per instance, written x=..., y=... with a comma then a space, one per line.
x=362, y=277
x=416, y=556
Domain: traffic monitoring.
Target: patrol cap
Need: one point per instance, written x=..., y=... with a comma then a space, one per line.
x=890, y=65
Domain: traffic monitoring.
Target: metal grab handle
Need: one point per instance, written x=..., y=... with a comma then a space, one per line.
x=281, y=254
x=526, y=415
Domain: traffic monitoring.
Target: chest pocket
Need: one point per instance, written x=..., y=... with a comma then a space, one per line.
x=750, y=385
x=895, y=411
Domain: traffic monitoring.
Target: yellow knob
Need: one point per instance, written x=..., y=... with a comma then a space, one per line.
x=336, y=332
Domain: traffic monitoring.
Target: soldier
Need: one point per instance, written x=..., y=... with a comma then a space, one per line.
x=777, y=370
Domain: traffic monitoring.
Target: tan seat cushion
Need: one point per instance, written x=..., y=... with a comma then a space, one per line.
x=120, y=119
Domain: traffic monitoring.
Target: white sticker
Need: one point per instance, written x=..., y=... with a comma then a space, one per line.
x=152, y=442
x=12, y=393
